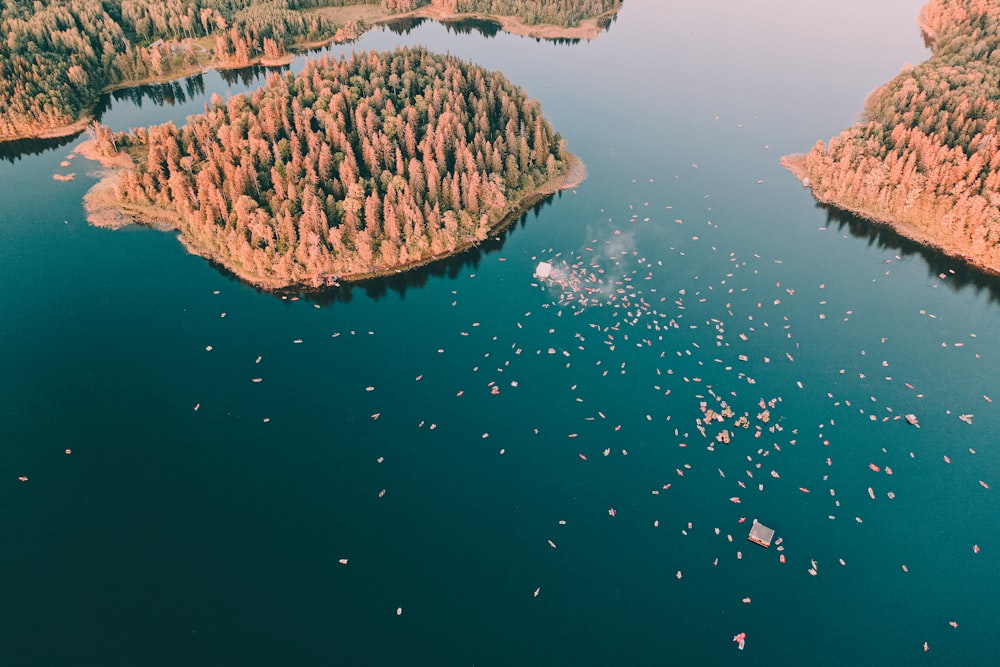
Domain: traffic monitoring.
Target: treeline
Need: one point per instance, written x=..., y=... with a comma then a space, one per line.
x=353, y=167
x=271, y=29
x=564, y=13
x=926, y=157
x=243, y=29
x=55, y=59
x=60, y=55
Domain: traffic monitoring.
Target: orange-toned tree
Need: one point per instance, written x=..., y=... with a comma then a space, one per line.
x=307, y=179
x=926, y=156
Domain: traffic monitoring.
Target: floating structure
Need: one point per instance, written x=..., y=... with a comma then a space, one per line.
x=761, y=534
x=543, y=270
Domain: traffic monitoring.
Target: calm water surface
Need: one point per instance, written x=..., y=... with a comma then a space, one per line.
x=497, y=413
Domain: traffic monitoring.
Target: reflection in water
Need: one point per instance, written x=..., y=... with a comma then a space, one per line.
x=604, y=22
x=12, y=151
x=960, y=275
x=172, y=93
x=484, y=27
x=160, y=94
x=559, y=40
x=247, y=76
x=461, y=26
x=450, y=267
x=404, y=26
x=169, y=93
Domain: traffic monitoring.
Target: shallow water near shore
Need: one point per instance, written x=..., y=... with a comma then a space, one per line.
x=460, y=435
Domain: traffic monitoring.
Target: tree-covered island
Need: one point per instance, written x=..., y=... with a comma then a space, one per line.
x=548, y=19
x=925, y=158
x=57, y=57
x=352, y=169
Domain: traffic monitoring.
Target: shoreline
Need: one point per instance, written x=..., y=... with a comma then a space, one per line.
x=80, y=125
x=931, y=184
x=106, y=211
x=101, y=203
x=795, y=163
x=575, y=175
x=51, y=132
x=588, y=29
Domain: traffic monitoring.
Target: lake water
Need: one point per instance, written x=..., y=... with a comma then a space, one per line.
x=201, y=515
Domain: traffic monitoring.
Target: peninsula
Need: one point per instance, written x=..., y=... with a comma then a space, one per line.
x=925, y=158
x=59, y=56
x=350, y=170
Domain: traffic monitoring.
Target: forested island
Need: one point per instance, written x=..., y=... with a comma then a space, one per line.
x=352, y=169
x=550, y=19
x=925, y=158
x=59, y=56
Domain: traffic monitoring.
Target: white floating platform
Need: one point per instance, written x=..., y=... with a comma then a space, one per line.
x=761, y=534
x=543, y=270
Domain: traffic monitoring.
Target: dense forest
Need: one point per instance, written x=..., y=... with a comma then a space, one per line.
x=926, y=156
x=352, y=168
x=60, y=55
x=565, y=13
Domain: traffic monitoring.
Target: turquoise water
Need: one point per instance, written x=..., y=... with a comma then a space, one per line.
x=213, y=535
